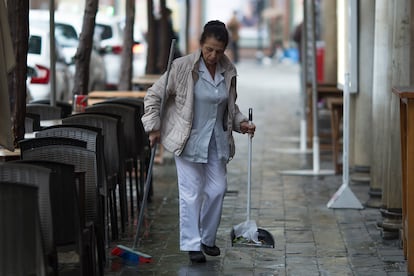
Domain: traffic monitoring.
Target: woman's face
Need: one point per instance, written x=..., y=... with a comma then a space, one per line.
x=212, y=50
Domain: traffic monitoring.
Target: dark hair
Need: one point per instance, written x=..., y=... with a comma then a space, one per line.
x=216, y=29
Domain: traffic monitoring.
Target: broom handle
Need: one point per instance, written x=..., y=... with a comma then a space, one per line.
x=249, y=167
x=153, y=151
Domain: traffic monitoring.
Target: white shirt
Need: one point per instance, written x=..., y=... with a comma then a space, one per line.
x=210, y=103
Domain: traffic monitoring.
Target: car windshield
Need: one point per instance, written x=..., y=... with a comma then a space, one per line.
x=35, y=44
x=103, y=31
x=66, y=35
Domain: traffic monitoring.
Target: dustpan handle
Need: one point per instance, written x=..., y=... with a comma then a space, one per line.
x=249, y=167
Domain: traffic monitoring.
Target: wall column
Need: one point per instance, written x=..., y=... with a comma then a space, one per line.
x=400, y=75
x=361, y=101
x=381, y=84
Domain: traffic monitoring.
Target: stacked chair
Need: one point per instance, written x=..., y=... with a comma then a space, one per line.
x=84, y=165
x=20, y=219
x=70, y=229
x=32, y=122
x=93, y=138
x=46, y=195
x=28, y=144
x=35, y=112
x=46, y=112
x=141, y=142
x=111, y=127
x=129, y=149
x=66, y=108
x=74, y=152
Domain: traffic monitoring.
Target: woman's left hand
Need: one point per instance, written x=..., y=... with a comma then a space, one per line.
x=246, y=127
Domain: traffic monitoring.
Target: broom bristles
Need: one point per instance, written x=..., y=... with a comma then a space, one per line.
x=130, y=255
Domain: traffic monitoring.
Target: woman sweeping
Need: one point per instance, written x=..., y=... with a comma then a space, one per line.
x=198, y=119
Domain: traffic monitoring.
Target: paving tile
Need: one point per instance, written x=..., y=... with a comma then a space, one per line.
x=299, y=236
x=301, y=266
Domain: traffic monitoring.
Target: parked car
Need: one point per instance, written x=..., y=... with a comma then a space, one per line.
x=109, y=32
x=38, y=67
x=97, y=71
x=67, y=29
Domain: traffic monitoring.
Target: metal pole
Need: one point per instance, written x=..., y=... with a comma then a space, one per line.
x=249, y=168
x=344, y=197
x=345, y=116
x=52, y=53
x=316, y=164
x=304, y=81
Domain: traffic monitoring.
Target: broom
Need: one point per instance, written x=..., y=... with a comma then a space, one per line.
x=131, y=255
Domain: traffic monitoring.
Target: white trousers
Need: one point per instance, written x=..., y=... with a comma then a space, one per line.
x=201, y=191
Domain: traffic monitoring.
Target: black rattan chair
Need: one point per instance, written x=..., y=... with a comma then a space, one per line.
x=30, y=143
x=66, y=108
x=69, y=227
x=41, y=178
x=94, y=142
x=32, y=122
x=85, y=162
x=130, y=147
x=91, y=135
x=46, y=112
x=20, y=234
x=142, y=141
x=111, y=127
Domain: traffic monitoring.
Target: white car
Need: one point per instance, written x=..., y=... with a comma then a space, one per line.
x=109, y=33
x=67, y=29
x=97, y=72
x=38, y=68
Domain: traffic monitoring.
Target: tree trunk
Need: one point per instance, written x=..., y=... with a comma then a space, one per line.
x=125, y=81
x=164, y=41
x=83, y=53
x=187, y=25
x=18, y=13
x=151, y=40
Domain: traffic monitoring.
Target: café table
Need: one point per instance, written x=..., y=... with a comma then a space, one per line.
x=100, y=96
x=8, y=155
x=145, y=81
x=48, y=123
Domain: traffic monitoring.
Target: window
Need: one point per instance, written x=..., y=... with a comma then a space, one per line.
x=104, y=31
x=66, y=35
x=35, y=44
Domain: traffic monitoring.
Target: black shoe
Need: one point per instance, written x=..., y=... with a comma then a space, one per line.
x=197, y=256
x=210, y=250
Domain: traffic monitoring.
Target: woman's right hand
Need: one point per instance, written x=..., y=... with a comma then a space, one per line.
x=154, y=137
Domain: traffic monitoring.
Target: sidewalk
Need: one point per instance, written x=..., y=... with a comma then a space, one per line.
x=310, y=238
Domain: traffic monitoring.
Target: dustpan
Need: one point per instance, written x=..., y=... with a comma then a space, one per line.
x=247, y=234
